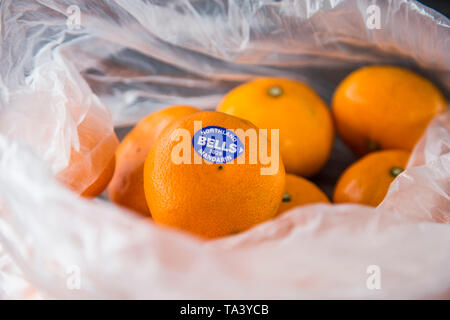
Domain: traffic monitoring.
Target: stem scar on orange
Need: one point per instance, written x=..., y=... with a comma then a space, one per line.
x=303, y=118
x=367, y=180
x=127, y=185
x=206, y=198
x=384, y=107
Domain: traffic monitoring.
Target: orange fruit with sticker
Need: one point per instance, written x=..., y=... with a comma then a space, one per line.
x=213, y=175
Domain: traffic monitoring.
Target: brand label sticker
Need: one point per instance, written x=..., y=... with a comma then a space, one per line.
x=217, y=144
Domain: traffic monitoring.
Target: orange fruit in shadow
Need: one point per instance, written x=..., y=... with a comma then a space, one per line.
x=384, y=107
x=299, y=192
x=304, y=120
x=91, y=166
x=367, y=180
x=127, y=185
x=207, y=198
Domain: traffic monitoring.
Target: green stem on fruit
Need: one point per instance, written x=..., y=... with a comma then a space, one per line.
x=372, y=145
x=286, y=197
x=395, y=171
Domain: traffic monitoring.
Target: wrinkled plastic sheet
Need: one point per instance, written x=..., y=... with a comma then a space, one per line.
x=129, y=58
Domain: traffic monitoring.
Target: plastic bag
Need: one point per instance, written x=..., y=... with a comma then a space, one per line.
x=139, y=56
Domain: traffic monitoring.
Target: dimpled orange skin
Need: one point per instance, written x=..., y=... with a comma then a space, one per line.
x=367, y=180
x=304, y=120
x=209, y=200
x=127, y=185
x=299, y=192
x=384, y=107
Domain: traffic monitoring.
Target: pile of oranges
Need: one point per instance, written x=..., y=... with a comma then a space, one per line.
x=162, y=169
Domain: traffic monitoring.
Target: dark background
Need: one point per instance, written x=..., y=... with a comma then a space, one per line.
x=442, y=6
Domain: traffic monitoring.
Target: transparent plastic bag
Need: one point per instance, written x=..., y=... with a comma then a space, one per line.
x=64, y=61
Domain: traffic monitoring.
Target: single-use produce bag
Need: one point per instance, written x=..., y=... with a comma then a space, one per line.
x=71, y=68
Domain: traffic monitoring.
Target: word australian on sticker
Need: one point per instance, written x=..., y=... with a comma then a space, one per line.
x=217, y=144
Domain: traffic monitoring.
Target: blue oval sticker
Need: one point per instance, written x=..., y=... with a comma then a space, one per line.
x=217, y=144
